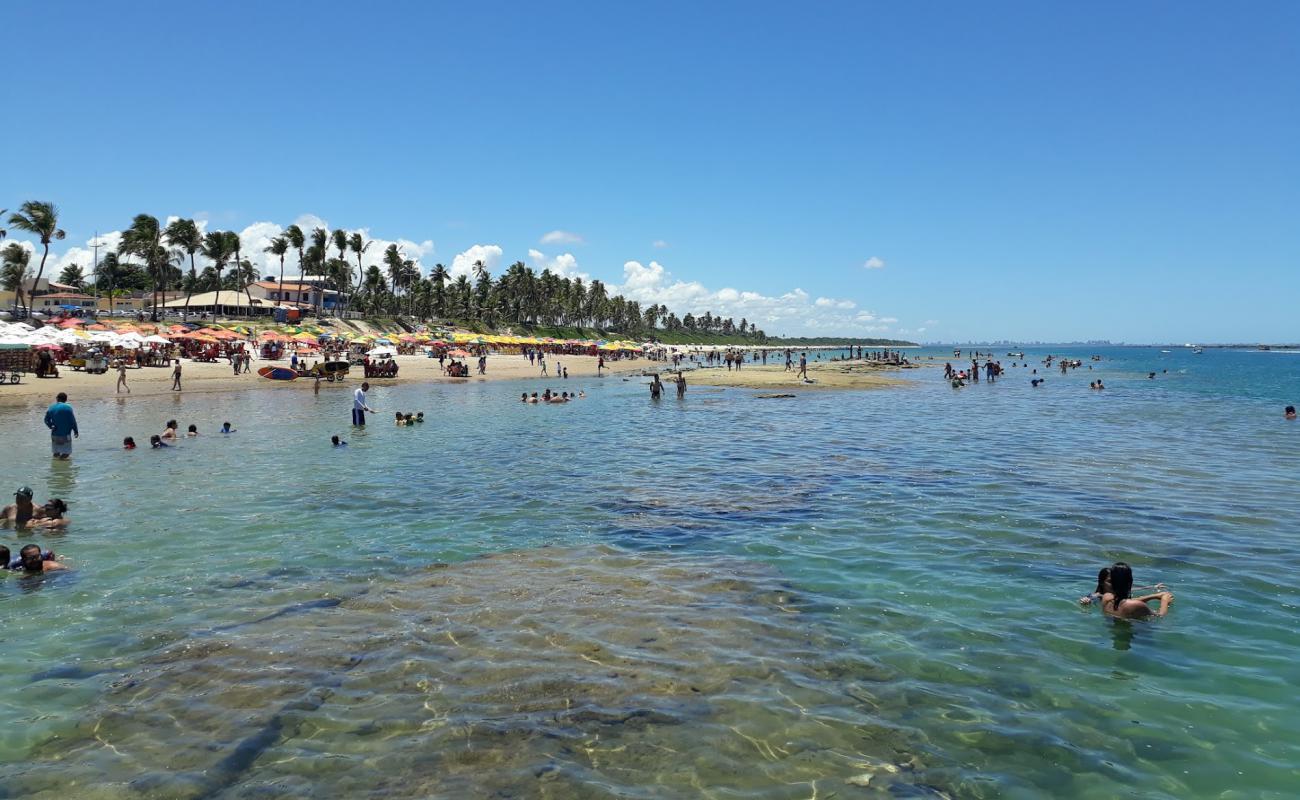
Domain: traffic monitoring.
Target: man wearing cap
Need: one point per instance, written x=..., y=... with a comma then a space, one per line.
x=63, y=426
x=20, y=512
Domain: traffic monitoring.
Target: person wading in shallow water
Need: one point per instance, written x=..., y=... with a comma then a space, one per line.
x=63, y=427
x=176, y=376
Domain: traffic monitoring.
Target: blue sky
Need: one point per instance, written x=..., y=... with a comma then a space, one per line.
x=1024, y=170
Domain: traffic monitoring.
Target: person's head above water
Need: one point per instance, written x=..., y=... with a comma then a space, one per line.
x=225, y=427
x=334, y=440
x=194, y=429
x=23, y=495
x=33, y=560
x=128, y=443
x=171, y=425
x=1290, y=412
x=1121, y=581
x=156, y=441
x=1103, y=581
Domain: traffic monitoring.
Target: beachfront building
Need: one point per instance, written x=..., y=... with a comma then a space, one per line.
x=226, y=302
x=297, y=293
x=57, y=302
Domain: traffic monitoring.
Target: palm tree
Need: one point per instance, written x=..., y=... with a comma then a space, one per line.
x=145, y=239
x=320, y=241
x=17, y=269
x=183, y=234
x=245, y=277
x=339, y=238
x=3, y=232
x=38, y=218
x=72, y=276
x=358, y=245
x=297, y=240
x=108, y=272
x=396, y=266
x=279, y=246
x=214, y=250
x=439, y=278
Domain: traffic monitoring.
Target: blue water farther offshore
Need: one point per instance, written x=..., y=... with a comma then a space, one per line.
x=926, y=547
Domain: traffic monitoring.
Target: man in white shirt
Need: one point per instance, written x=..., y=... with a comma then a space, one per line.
x=359, y=407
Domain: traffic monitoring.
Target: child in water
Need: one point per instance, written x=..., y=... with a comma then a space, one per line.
x=337, y=442
x=128, y=443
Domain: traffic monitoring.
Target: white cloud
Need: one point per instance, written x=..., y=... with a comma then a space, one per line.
x=253, y=240
x=561, y=237
x=463, y=263
x=875, y=262
x=793, y=313
x=565, y=265
x=659, y=244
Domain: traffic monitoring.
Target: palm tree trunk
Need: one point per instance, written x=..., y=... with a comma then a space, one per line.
x=194, y=277
x=37, y=282
x=216, y=301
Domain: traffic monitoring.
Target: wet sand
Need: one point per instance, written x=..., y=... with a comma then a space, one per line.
x=821, y=375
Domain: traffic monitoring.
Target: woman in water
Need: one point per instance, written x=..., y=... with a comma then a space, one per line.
x=1103, y=587
x=1118, y=603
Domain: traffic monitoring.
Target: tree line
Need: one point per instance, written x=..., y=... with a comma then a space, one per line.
x=156, y=257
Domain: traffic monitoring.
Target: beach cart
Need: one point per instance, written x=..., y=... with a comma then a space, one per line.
x=94, y=362
x=15, y=361
x=331, y=370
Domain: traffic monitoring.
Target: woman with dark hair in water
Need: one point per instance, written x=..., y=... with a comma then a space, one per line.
x=1118, y=603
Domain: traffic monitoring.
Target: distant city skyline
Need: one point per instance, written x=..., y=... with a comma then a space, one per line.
x=946, y=172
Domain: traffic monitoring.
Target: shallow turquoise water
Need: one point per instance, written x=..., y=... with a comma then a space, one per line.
x=924, y=546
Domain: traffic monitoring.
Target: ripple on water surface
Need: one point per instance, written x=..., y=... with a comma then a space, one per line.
x=550, y=672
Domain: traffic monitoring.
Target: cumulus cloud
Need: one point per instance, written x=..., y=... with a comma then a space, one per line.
x=463, y=263
x=565, y=265
x=794, y=312
x=875, y=262
x=253, y=240
x=561, y=237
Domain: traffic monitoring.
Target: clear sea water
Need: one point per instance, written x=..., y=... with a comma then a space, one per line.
x=849, y=594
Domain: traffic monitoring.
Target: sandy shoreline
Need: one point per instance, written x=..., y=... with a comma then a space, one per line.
x=824, y=375
x=203, y=377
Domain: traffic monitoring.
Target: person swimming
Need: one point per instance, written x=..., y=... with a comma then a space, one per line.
x=128, y=443
x=1290, y=412
x=192, y=432
x=337, y=442
x=533, y=398
x=32, y=559
x=524, y=398
x=399, y=420
x=156, y=442
x=419, y=416
x=1118, y=602
x=170, y=431
x=225, y=428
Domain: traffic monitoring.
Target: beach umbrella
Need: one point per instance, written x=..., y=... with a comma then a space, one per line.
x=458, y=354
x=155, y=339
x=72, y=322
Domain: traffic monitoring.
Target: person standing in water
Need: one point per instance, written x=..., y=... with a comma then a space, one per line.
x=359, y=407
x=681, y=386
x=121, y=377
x=63, y=427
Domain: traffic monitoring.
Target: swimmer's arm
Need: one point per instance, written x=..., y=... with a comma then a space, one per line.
x=52, y=566
x=1165, y=598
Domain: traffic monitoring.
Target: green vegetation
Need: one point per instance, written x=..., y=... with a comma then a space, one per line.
x=153, y=257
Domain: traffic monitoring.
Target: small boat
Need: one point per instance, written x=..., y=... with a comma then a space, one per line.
x=278, y=373
x=1166, y=351
x=1196, y=351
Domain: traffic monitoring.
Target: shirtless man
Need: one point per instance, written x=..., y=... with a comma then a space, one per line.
x=31, y=559
x=20, y=512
